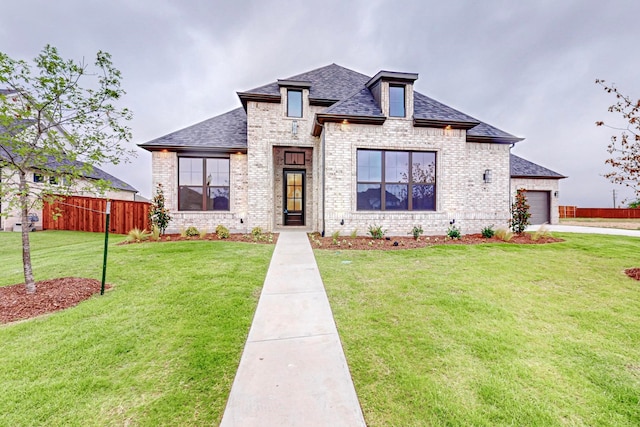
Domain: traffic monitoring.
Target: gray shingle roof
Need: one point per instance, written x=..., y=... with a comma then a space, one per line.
x=346, y=89
x=524, y=168
x=430, y=109
x=96, y=173
x=359, y=103
x=332, y=82
x=226, y=131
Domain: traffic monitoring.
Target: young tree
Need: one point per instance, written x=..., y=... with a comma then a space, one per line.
x=520, y=212
x=625, y=147
x=58, y=119
x=159, y=214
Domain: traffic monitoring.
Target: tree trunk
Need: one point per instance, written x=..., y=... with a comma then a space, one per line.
x=29, y=281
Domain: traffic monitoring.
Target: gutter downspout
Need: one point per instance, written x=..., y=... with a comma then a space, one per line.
x=323, y=180
x=510, y=197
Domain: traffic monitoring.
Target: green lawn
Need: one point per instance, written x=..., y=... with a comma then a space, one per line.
x=495, y=334
x=161, y=348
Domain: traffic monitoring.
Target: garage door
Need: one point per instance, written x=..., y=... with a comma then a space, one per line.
x=539, y=207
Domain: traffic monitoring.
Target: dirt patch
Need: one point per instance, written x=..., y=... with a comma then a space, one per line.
x=402, y=242
x=634, y=273
x=51, y=295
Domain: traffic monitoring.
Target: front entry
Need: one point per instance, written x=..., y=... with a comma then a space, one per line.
x=294, y=197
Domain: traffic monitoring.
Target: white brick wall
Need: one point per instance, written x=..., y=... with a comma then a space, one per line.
x=461, y=193
x=550, y=185
x=165, y=172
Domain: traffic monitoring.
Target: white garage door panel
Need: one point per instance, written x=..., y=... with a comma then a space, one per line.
x=539, y=207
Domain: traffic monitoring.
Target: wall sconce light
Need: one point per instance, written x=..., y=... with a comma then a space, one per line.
x=294, y=127
x=342, y=222
x=556, y=194
x=241, y=221
x=487, y=176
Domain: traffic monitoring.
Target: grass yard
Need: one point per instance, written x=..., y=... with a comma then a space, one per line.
x=494, y=334
x=161, y=348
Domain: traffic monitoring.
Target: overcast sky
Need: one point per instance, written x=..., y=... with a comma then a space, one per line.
x=526, y=67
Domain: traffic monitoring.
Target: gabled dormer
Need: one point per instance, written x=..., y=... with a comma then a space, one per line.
x=393, y=92
x=294, y=93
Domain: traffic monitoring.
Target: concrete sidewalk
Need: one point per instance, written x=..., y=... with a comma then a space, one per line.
x=293, y=371
x=586, y=230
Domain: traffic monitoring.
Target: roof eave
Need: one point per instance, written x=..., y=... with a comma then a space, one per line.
x=419, y=122
x=322, y=102
x=322, y=118
x=494, y=139
x=182, y=148
x=258, y=97
x=539, y=176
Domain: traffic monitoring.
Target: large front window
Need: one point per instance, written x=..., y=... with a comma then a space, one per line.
x=396, y=180
x=203, y=184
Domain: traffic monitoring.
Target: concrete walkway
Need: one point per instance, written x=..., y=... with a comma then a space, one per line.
x=587, y=230
x=293, y=371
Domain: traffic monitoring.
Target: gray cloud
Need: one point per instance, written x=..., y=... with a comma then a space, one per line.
x=525, y=67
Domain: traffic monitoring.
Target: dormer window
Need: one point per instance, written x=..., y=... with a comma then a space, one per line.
x=396, y=101
x=294, y=103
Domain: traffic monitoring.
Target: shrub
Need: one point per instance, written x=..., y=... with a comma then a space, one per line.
x=137, y=235
x=453, y=232
x=519, y=213
x=416, y=231
x=222, y=232
x=256, y=231
x=354, y=233
x=488, y=232
x=336, y=236
x=155, y=233
x=542, y=232
x=376, y=231
x=504, y=234
x=203, y=233
x=191, y=232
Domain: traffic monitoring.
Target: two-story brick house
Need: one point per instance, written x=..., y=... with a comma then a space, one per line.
x=333, y=149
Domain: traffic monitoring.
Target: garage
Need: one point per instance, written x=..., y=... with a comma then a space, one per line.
x=539, y=207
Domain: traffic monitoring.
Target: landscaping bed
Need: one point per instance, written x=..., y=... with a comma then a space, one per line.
x=407, y=242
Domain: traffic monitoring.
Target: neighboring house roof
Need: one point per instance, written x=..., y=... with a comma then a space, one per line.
x=521, y=168
x=96, y=173
x=347, y=97
x=227, y=131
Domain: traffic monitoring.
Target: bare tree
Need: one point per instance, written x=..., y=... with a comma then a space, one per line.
x=625, y=146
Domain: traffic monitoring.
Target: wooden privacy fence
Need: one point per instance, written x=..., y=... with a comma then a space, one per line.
x=87, y=214
x=575, y=212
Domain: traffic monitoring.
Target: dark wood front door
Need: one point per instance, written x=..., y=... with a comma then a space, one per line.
x=293, y=197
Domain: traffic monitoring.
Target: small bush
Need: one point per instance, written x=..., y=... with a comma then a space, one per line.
x=336, y=236
x=191, y=232
x=540, y=233
x=137, y=235
x=453, y=232
x=416, y=231
x=155, y=233
x=222, y=232
x=504, y=234
x=354, y=233
x=256, y=231
x=376, y=231
x=488, y=232
x=203, y=233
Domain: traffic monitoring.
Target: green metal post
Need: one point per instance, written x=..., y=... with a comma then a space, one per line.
x=106, y=241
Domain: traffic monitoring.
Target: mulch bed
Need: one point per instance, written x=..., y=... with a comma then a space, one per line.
x=51, y=295
x=405, y=242
x=634, y=273
x=247, y=238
